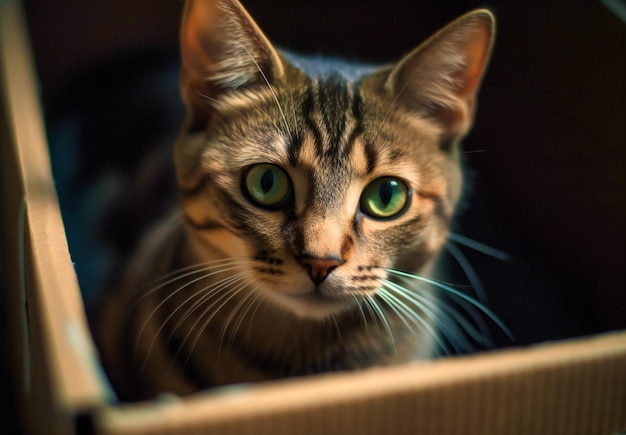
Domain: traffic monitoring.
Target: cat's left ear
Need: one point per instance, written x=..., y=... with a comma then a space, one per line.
x=222, y=49
x=442, y=76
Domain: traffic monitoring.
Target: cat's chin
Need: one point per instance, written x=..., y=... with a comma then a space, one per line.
x=313, y=305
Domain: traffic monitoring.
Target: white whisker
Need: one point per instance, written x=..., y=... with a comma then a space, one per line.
x=395, y=100
x=430, y=310
x=171, y=295
x=207, y=293
x=271, y=88
x=405, y=312
x=380, y=315
x=480, y=247
x=224, y=299
x=204, y=294
x=451, y=324
x=199, y=267
x=337, y=328
x=254, y=300
x=469, y=271
x=179, y=274
x=270, y=119
x=359, y=304
x=462, y=297
x=238, y=311
x=293, y=109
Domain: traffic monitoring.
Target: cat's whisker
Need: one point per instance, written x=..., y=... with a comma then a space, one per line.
x=196, y=268
x=170, y=296
x=462, y=328
x=475, y=315
x=475, y=282
x=253, y=300
x=451, y=324
x=180, y=274
x=430, y=310
x=406, y=314
x=269, y=85
x=203, y=95
x=241, y=288
x=224, y=298
x=259, y=301
x=380, y=315
x=160, y=330
x=172, y=223
x=238, y=311
x=269, y=118
x=456, y=294
x=395, y=100
x=359, y=304
x=293, y=110
x=478, y=246
x=333, y=319
x=204, y=294
x=469, y=271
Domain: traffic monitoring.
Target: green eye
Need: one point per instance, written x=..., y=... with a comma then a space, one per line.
x=267, y=186
x=385, y=198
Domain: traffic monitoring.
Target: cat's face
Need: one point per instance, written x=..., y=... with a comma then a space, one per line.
x=317, y=184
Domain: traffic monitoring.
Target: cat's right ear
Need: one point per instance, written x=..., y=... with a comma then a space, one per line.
x=222, y=49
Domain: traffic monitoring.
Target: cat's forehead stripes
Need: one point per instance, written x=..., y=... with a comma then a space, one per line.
x=332, y=107
x=331, y=114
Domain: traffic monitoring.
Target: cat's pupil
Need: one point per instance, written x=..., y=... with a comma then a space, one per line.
x=267, y=181
x=385, y=192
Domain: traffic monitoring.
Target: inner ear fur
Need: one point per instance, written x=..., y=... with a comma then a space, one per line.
x=222, y=50
x=440, y=78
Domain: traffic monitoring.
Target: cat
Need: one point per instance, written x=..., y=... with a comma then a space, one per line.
x=315, y=197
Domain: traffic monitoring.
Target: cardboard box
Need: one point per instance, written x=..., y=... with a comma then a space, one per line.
x=572, y=387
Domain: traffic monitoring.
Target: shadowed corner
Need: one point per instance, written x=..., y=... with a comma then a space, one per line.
x=618, y=7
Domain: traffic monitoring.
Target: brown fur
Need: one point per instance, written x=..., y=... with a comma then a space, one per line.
x=257, y=312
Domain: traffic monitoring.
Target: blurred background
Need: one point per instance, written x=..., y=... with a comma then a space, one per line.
x=548, y=151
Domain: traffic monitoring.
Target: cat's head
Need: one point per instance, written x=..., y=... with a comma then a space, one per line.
x=315, y=175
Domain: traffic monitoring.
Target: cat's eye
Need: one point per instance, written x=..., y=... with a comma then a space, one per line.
x=267, y=186
x=385, y=198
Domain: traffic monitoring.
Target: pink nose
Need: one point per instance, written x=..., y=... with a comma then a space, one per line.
x=319, y=268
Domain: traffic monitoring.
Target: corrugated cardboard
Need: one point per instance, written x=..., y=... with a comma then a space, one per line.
x=572, y=387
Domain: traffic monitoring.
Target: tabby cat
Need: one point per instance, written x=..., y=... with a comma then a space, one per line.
x=315, y=198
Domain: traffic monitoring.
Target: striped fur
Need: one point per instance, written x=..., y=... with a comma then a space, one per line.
x=224, y=291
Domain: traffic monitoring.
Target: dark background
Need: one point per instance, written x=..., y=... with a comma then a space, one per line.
x=548, y=148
